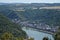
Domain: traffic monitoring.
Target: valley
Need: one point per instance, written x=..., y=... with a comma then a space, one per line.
x=44, y=17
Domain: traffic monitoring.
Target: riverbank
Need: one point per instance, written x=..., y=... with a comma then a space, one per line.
x=37, y=35
x=44, y=31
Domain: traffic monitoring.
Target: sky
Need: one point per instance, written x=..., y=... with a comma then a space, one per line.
x=29, y=1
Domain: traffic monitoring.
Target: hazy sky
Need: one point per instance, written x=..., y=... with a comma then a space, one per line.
x=30, y=1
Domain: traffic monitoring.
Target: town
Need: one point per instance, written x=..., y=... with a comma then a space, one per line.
x=37, y=25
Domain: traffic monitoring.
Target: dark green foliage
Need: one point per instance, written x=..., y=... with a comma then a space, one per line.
x=7, y=26
x=57, y=35
x=48, y=16
x=45, y=38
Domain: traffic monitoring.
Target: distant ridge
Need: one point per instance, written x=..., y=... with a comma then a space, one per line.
x=35, y=4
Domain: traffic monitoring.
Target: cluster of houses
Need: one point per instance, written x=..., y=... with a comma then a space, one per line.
x=41, y=26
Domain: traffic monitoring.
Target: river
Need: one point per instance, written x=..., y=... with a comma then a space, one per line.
x=37, y=35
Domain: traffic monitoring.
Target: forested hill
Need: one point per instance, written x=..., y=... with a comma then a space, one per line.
x=9, y=28
x=48, y=16
x=29, y=13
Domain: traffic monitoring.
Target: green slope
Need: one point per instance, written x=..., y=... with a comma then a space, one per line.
x=7, y=26
x=48, y=16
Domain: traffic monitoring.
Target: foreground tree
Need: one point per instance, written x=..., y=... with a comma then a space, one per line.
x=7, y=36
x=45, y=38
x=57, y=35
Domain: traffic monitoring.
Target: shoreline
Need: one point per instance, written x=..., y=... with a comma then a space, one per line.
x=40, y=30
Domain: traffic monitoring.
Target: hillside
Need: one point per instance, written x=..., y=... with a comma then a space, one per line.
x=24, y=12
x=47, y=16
x=6, y=26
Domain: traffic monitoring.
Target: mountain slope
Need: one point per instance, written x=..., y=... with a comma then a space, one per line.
x=48, y=16
x=7, y=26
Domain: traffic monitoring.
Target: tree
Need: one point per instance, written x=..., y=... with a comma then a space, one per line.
x=45, y=38
x=57, y=35
x=7, y=36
